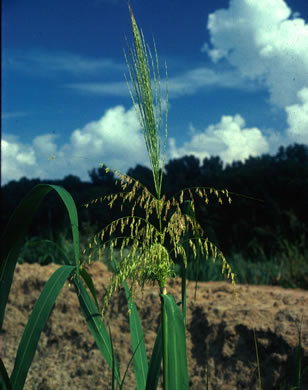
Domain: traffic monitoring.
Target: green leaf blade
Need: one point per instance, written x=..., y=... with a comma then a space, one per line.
x=36, y=323
x=5, y=383
x=177, y=373
x=20, y=221
x=138, y=346
x=96, y=327
x=155, y=362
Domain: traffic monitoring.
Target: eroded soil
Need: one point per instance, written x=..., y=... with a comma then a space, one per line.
x=217, y=324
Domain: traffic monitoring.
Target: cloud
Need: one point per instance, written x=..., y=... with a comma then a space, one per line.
x=13, y=115
x=115, y=140
x=229, y=139
x=43, y=62
x=17, y=160
x=266, y=46
x=297, y=118
x=101, y=89
x=186, y=83
x=263, y=44
x=192, y=81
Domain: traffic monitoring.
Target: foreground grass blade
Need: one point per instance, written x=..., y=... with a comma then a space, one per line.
x=129, y=363
x=36, y=324
x=176, y=376
x=298, y=359
x=12, y=239
x=96, y=326
x=89, y=282
x=137, y=339
x=155, y=362
x=113, y=356
x=5, y=383
x=258, y=362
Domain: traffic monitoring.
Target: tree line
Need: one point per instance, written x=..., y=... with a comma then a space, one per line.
x=269, y=200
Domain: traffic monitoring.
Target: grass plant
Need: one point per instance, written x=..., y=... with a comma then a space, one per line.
x=155, y=233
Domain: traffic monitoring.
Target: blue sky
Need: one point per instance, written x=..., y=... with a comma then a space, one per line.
x=237, y=80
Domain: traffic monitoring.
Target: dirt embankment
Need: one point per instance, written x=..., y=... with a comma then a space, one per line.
x=217, y=325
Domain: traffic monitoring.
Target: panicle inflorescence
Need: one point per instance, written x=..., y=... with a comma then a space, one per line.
x=142, y=243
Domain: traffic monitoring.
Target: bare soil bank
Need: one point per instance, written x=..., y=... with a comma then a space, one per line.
x=67, y=357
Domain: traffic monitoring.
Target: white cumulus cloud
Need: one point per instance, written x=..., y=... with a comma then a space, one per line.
x=17, y=159
x=263, y=43
x=297, y=118
x=229, y=139
x=115, y=140
x=268, y=45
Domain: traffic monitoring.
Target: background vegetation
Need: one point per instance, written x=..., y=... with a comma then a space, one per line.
x=263, y=234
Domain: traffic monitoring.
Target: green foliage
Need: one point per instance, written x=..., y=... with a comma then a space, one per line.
x=44, y=252
x=140, y=358
x=36, y=324
x=150, y=242
x=11, y=241
x=288, y=271
x=174, y=345
x=13, y=236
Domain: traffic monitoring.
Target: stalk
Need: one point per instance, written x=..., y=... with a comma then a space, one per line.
x=183, y=277
x=164, y=339
x=187, y=210
x=258, y=363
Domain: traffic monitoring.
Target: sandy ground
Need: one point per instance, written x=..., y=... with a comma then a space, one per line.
x=217, y=324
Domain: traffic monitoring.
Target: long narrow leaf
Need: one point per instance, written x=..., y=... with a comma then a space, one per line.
x=113, y=365
x=164, y=323
x=155, y=362
x=298, y=358
x=20, y=221
x=138, y=346
x=128, y=365
x=96, y=326
x=258, y=362
x=36, y=324
x=89, y=282
x=177, y=373
x=5, y=383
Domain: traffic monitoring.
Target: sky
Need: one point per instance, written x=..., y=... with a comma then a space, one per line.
x=237, y=82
